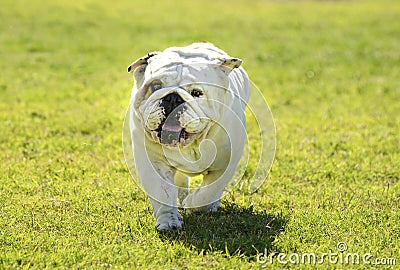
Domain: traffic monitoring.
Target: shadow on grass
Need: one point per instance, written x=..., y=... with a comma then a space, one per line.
x=233, y=230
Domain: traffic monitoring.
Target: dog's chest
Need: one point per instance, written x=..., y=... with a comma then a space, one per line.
x=196, y=158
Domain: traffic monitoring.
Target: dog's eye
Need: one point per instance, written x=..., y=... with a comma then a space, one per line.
x=155, y=85
x=196, y=92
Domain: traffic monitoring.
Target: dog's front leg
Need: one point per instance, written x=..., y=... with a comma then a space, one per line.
x=167, y=217
x=157, y=180
x=163, y=198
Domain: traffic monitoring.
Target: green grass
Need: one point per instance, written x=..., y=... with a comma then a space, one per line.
x=329, y=69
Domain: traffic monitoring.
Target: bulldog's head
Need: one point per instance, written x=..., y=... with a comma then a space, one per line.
x=178, y=94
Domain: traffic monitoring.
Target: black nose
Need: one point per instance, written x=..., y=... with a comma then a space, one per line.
x=170, y=102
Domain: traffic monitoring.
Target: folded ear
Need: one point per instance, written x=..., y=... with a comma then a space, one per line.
x=229, y=64
x=141, y=61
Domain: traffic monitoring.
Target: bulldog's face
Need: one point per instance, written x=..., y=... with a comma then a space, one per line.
x=178, y=99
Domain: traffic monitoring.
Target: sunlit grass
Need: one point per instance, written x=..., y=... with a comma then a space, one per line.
x=329, y=70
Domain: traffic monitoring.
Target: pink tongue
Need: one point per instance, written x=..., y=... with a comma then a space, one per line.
x=171, y=128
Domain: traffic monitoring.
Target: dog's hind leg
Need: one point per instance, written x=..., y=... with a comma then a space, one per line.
x=182, y=182
x=207, y=197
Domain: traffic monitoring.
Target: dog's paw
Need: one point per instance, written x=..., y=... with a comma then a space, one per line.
x=169, y=222
x=187, y=204
x=213, y=207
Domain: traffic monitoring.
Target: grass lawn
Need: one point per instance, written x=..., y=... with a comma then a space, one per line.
x=330, y=71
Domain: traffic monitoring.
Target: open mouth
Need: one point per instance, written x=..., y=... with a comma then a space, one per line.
x=171, y=133
x=176, y=117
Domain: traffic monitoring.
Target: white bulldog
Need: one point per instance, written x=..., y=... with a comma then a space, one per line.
x=187, y=118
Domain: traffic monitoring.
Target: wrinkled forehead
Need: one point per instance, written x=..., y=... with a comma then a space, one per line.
x=173, y=70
